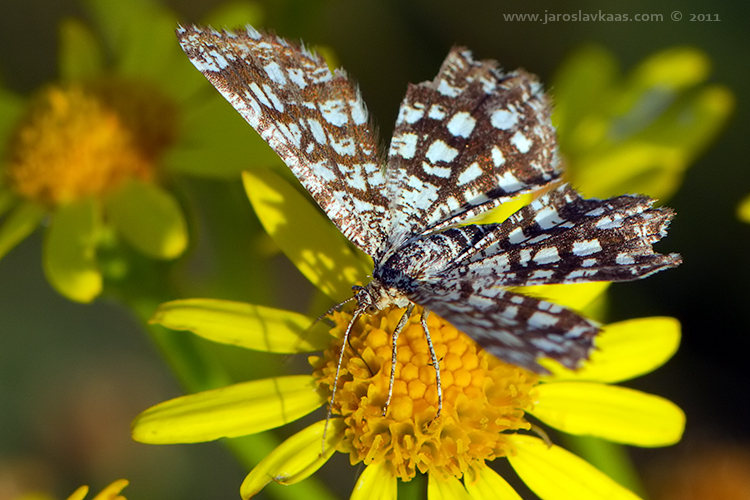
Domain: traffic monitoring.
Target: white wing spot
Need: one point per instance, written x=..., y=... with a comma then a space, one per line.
x=461, y=124
x=586, y=247
x=503, y=119
x=497, y=156
x=624, y=259
x=334, y=112
x=542, y=320
x=317, y=130
x=297, y=76
x=410, y=114
x=359, y=112
x=440, y=151
x=344, y=147
x=436, y=112
x=255, y=88
x=274, y=99
x=471, y=173
x=516, y=236
x=447, y=89
x=521, y=142
x=404, y=145
x=275, y=73
x=547, y=218
x=547, y=255
x=509, y=182
x=443, y=172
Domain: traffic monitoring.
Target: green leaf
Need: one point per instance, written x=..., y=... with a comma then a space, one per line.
x=235, y=410
x=149, y=218
x=141, y=34
x=245, y=325
x=19, y=223
x=70, y=250
x=305, y=235
x=12, y=107
x=234, y=14
x=216, y=141
x=80, y=56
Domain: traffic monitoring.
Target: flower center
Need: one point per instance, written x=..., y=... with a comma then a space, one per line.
x=482, y=396
x=84, y=139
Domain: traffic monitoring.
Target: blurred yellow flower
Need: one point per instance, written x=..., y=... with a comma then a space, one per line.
x=93, y=153
x=636, y=133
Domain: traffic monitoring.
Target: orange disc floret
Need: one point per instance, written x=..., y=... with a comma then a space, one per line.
x=82, y=140
x=483, y=397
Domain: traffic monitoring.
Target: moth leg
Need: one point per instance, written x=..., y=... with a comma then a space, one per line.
x=396, y=332
x=435, y=364
x=355, y=316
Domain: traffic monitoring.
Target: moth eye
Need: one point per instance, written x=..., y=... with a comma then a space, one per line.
x=371, y=309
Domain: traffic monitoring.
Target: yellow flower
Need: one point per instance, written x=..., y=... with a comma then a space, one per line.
x=636, y=133
x=94, y=153
x=486, y=402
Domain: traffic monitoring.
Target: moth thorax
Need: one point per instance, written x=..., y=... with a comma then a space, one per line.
x=379, y=296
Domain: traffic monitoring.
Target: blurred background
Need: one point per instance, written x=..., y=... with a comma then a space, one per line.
x=73, y=376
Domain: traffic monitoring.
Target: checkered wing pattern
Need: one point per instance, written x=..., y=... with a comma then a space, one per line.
x=314, y=119
x=563, y=238
x=515, y=328
x=465, y=142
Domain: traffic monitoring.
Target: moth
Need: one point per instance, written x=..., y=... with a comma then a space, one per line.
x=472, y=138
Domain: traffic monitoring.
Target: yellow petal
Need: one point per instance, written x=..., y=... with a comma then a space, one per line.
x=743, y=210
x=554, y=473
x=375, y=482
x=635, y=166
x=505, y=210
x=236, y=410
x=580, y=84
x=625, y=350
x=245, y=325
x=149, y=218
x=296, y=458
x=614, y=413
x=70, y=251
x=305, y=235
x=674, y=68
x=80, y=493
x=446, y=489
x=112, y=491
x=576, y=296
x=18, y=224
x=489, y=485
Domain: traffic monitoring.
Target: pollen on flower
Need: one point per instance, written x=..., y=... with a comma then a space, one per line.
x=82, y=140
x=483, y=397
